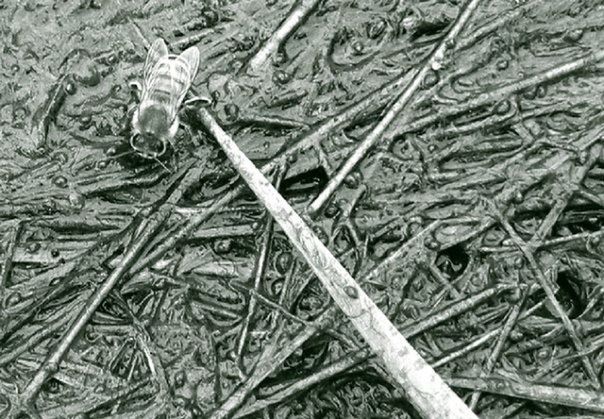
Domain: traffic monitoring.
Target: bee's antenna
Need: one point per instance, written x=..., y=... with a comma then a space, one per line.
x=162, y=165
x=117, y=156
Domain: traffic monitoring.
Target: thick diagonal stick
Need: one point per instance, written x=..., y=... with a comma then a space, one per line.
x=425, y=389
x=435, y=61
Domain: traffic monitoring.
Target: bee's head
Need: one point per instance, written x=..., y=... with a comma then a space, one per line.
x=152, y=131
x=147, y=146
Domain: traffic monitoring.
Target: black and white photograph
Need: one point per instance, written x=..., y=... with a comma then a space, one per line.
x=301, y=209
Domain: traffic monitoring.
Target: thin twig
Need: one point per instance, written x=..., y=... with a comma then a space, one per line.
x=297, y=15
x=51, y=363
x=549, y=292
x=502, y=337
x=434, y=62
x=555, y=72
x=573, y=185
x=350, y=360
x=5, y=268
x=260, y=269
x=565, y=396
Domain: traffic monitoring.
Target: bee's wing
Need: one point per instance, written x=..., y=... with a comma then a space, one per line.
x=157, y=51
x=167, y=85
x=190, y=57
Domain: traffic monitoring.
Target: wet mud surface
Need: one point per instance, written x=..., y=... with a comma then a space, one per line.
x=475, y=224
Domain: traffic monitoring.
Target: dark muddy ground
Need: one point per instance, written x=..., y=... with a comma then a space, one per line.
x=476, y=225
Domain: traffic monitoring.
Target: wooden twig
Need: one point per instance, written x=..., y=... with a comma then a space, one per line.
x=574, y=182
x=297, y=15
x=350, y=360
x=566, y=396
x=259, y=270
x=502, y=338
x=550, y=294
x=425, y=389
x=51, y=363
x=329, y=371
x=47, y=113
x=434, y=62
x=555, y=72
x=5, y=268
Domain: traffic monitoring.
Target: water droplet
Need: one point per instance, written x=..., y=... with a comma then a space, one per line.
x=502, y=64
x=431, y=79
x=70, y=87
x=280, y=58
x=541, y=91
x=351, y=291
x=76, y=199
x=112, y=59
x=89, y=77
x=231, y=111
x=503, y=107
x=331, y=210
x=60, y=181
x=281, y=77
x=530, y=93
x=283, y=262
x=543, y=353
x=223, y=246
x=353, y=180
x=179, y=379
x=33, y=247
x=12, y=300
x=574, y=35
x=357, y=47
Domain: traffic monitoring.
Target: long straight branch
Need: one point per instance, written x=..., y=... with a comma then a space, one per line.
x=425, y=389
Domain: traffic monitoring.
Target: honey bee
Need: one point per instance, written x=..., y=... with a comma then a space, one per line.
x=166, y=80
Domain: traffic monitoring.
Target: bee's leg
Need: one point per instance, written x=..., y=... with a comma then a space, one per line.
x=193, y=138
x=136, y=89
x=196, y=99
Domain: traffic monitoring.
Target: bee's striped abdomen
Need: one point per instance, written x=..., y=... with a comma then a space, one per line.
x=168, y=83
